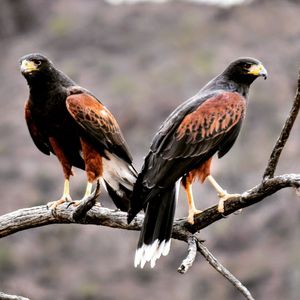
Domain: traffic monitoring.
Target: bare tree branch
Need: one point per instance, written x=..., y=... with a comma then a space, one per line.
x=284, y=135
x=250, y=197
x=195, y=245
x=192, y=253
x=11, y=297
x=223, y=271
x=40, y=215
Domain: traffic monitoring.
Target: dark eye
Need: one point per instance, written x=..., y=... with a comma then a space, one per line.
x=246, y=65
x=38, y=62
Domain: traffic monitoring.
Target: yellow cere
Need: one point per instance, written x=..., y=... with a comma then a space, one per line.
x=28, y=66
x=256, y=69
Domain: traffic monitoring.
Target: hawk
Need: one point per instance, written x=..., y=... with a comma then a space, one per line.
x=70, y=122
x=182, y=150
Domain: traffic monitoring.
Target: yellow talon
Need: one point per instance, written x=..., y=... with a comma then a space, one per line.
x=65, y=197
x=192, y=213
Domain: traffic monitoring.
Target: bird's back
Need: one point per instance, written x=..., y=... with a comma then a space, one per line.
x=167, y=162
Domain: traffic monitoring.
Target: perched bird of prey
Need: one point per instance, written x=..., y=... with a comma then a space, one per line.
x=68, y=121
x=182, y=149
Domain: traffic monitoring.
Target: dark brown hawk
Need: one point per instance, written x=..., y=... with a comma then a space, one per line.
x=204, y=125
x=68, y=121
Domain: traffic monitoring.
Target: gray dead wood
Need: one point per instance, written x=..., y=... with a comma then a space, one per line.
x=11, y=297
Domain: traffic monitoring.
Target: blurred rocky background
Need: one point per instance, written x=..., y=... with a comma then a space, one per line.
x=142, y=60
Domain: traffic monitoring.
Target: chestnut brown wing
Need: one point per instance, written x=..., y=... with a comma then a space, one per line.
x=207, y=127
x=98, y=123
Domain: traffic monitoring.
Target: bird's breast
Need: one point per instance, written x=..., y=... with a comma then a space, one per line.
x=52, y=117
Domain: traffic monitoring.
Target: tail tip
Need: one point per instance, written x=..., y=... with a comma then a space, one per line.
x=151, y=253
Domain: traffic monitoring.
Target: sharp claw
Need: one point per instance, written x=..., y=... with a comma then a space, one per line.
x=190, y=220
x=54, y=204
x=221, y=206
x=74, y=203
x=223, y=198
x=192, y=214
x=53, y=212
x=69, y=204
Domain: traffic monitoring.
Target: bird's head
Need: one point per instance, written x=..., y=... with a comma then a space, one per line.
x=34, y=64
x=245, y=70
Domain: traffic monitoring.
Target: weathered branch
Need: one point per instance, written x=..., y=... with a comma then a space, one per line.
x=11, y=297
x=195, y=245
x=250, y=197
x=192, y=253
x=284, y=135
x=40, y=215
x=223, y=271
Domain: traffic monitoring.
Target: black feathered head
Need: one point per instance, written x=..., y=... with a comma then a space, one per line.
x=245, y=70
x=34, y=63
x=38, y=70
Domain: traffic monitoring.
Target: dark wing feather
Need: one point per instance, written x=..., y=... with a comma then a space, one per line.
x=169, y=126
x=39, y=140
x=98, y=123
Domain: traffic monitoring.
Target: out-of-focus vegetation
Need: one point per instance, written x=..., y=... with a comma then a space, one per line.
x=142, y=61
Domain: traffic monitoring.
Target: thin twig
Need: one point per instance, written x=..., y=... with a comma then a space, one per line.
x=284, y=135
x=86, y=204
x=192, y=253
x=11, y=297
x=223, y=271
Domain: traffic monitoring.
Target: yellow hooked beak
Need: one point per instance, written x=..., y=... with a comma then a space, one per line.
x=28, y=66
x=258, y=70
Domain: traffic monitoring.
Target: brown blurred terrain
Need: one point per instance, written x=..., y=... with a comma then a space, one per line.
x=143, y=60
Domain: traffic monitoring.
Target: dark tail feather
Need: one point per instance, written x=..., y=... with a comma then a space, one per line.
x=138, y=200
x=155, y=237
x=140, y=197
x=120, y=199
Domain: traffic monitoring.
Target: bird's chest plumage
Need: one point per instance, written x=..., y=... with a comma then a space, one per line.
x=50, y=113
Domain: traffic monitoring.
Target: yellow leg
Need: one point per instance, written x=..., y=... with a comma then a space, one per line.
x=222, y=194
x=192, y=209
x=64, y=198
x=66, y=193
x=88, y=190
